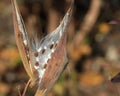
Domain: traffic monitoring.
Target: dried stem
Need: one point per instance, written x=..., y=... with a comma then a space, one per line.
x=26, y=86
x=87, y=24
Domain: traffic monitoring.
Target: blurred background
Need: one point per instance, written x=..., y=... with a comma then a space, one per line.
x=93, y=46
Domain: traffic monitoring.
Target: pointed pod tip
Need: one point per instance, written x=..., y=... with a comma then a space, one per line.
x=71, y=7
x=14, y=5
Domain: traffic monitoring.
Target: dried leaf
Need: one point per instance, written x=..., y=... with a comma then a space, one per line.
x=88, y=79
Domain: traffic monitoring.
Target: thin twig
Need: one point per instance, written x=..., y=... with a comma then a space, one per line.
x=88, y=23
x=19, y=92
x=26, y=86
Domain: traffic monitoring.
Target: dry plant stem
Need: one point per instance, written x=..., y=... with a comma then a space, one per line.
x=88, y=22
x=19, y=94
x=25, y=89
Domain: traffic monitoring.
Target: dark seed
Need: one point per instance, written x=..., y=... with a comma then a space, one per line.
x=51, y=46
x=36, y=54
x=56, y=64
x=36, y=64
x=26, y=48
x=43, y=51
